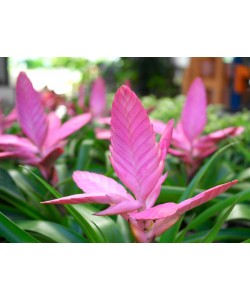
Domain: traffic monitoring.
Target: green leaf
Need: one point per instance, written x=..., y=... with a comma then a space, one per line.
x=245, y=174
x=125, y=230
x=10, y=193
x=8, y=183
x=241, y=211
x=97, y=229
x=12, y=233
x=236, y=234
x=83, y=157
x=53, y=191
x=210, y=237
x=54, y=231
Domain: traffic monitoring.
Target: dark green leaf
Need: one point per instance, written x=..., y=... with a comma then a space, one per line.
x=12, y=233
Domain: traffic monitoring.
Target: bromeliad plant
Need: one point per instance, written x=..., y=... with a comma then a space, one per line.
x=45, y=135
x=188, y=143
x=138, y=161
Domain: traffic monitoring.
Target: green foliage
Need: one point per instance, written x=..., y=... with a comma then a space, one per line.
x=225, y=219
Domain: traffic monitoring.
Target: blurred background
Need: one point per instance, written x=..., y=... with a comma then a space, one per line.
x=226, y=78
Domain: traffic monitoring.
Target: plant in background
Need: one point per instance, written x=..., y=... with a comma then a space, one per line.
x=138, y=161
x=188, y=144
x=45, y=135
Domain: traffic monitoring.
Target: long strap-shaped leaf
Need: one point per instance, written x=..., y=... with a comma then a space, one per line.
x=30, y=111
x=135, y=153
x=13, y=233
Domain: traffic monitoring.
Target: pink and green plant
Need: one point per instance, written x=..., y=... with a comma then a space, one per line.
x=188, y=142
x=45, y=134
x=138, y=161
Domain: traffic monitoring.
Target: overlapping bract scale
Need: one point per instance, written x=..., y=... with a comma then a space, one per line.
x=92, y=182
x=135, y=154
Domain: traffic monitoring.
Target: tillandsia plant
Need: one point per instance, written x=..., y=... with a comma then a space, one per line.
x=138, y=161
x=45, y=135
x=188, y=143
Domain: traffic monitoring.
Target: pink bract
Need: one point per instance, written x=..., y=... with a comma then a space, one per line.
x=188, y=143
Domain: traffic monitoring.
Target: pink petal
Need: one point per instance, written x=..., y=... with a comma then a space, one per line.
x=92, y=182
x=166, y=138
x=162, y=225
x=10, y=118
x=138, y=231
x=54, y=123
x=120, y=208
x=155, y=192
x=204, y=197
x=194, y=116
x=71, y=126
x=83, y=198
x=176, y=152
x=166, y=210
x=102, y=134
x=22, y=154
x=97, y=100
x=104, y=120
x=30, y=110
x=158, y=126
x=180, y=140
x=219, y=135
x=11, y=141
x=134, y=151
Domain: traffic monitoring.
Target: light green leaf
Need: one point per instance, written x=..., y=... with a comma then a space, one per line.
x=54, y=231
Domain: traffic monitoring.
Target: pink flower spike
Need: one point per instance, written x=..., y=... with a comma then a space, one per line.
x=135, y=155
x=97, y=100
x=30, y=110
x=194, y=115
x=138, y=161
